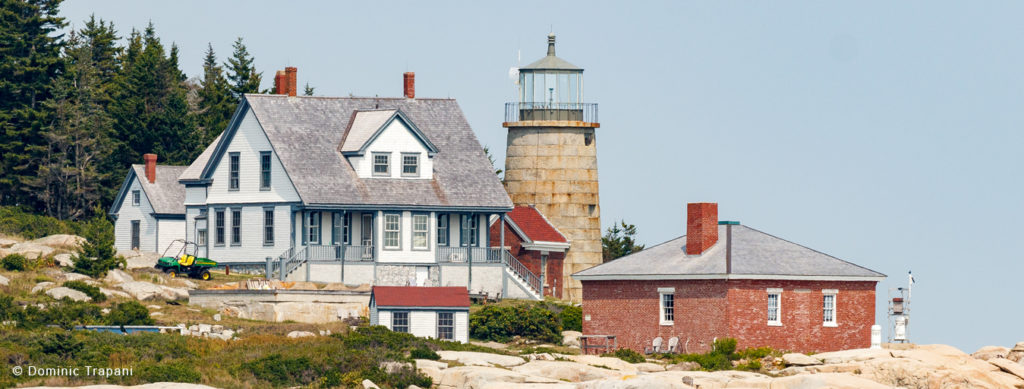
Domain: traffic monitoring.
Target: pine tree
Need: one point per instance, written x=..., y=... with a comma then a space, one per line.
x=70, y=182
x=215, y=103
x=241, y=71
x=308, y=91
x=29, y=61
x=619, y=241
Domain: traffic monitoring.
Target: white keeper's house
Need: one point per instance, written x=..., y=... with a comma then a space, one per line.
x=385, y=191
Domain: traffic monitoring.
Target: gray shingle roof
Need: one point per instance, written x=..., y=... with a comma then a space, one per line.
x=166, y=195
x=754, y=254
x=195, y=170
x=306, y=131
x=364, y=125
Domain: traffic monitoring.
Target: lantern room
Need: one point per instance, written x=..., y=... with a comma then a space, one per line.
x=551, y=89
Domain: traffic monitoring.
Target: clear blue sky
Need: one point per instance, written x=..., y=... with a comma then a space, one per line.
x=884, y=133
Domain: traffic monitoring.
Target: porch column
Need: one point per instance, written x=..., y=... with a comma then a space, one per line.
x=469, y=251
x=344, y=214
x=501, y=235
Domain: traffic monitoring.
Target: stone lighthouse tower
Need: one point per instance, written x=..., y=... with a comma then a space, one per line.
x=551, y=159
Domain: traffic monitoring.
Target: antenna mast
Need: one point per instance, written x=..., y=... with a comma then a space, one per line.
x=899, y=312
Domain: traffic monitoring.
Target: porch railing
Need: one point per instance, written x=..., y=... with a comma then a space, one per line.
x=465, y=254
x=351, y=253
x=522, y=271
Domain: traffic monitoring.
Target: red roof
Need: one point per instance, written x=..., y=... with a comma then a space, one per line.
x=534, y=225
x=421, y=296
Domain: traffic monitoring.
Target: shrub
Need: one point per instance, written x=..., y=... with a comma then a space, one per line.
x=281, y=371
x=65, y=313
x=423, y=353
x=129, y=313
x=97, y=255
x=571, y=318
x=501, y=323
x=93, y=292
x=14, y=262
x=627, y=355
x=16, y=221
x=62, y=344
x=173, y=372
x=725, y=346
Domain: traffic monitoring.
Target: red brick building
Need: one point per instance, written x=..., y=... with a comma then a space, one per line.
x=723, y=279
x=532, y=239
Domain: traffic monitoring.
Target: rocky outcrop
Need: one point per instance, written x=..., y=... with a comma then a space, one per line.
x=117, y=276
x=139, y=259
x=60, y=241
x=65, y=260
x=4, y=281
x=571, y=338
x=62, y=292
x=1008, y=366
x=43, y=286
x=300, y=334
x=797, y=359
x=485, y=377
x=471, y=358
x=1016, y=353
x=566, y=371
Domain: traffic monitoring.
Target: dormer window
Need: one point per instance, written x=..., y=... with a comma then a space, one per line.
x=381, y=165
x=410, y=165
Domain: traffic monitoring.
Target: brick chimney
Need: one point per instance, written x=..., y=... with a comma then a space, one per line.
x=410, y=85
x=280, y=83
x=291, y=73
x=150, y=167
x=701, y=227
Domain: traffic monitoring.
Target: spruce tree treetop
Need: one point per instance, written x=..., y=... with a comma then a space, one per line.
x=242, y=72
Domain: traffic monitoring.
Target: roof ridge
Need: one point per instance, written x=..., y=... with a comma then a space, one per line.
x=349, y=97
x=819, y=252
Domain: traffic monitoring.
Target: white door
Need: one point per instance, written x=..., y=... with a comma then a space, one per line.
x=422, y=274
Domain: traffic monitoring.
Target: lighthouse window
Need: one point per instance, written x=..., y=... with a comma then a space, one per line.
x=828, y=308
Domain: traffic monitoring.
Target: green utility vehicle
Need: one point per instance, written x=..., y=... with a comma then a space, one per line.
x=183, y=261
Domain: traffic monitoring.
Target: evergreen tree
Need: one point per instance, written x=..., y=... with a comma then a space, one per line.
x=150, y=108
x=308, y=91
x=241, y=71
x=619, y=241
x=29, y=61
x=70, y=182
x=215, y=103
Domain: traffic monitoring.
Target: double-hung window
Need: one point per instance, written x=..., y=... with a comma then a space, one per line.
x=236, y=227
x=400, y=321
x=446, y=325
x=136, y=198
x=264, y=170
x=268, y=226
x=667, y=306
x=469, y=236
x=442, y=229
x=381, y=164
x=392, y=231
x=420, y=232
x=313, y=228
x=774, y=307
x=219, y=226
x=342, y=226
x=828, y=307
x=233, y=171
x=410, y=165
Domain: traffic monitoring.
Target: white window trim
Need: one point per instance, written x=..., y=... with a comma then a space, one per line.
x=835, y=307
x=417, y=165
x=778, y=307
x=136, y=197
x=384, y=244
x=661, y=306
x=425, y=232
x=373, y=164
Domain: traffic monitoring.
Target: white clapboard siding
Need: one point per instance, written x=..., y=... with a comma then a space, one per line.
x=167, y=231
x=407, y=253
x=252, y=248
x=462, y=327
x=142, y=213
x=249, y=140
x=423, y=323
x=395, y=139
x=195, y=195
x=384, y=318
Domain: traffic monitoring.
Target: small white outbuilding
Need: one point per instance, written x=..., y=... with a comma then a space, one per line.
x=434, y=312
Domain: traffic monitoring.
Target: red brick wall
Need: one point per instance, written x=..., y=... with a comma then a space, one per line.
x=706, y=309
x=531, y=259
x=801, y=315
x=630, y=309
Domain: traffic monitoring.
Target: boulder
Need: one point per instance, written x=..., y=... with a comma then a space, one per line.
x=300, y=334
x=172, y=293
x=539, y=357
x=155, y=314
x=367, y=384
x=471, y=358
x=479, y=377
x=217, y=328
x=62, y=292
x=60, y=241
x=989, y=352
x=4, y=281
x=216, y=317
x=392, y=367
x=141, y=290
x=227, y=334
x=114, y=293
x=31, y=250
x=826, y=380
x=74, y=277
x=797, y=359
x=683, y=366
x=1008, y=366
x=1016, y=353
x=42, y=286
x=118, y=276
x=430, y=368
x=65, y=260
x=854, y=355
x=571, y=338
x=565, y=371
x=139, y=259
x=7, y=242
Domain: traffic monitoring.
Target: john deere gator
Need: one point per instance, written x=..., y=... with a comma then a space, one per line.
x=183, y=261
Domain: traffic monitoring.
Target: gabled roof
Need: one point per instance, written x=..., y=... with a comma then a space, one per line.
x=532, y=226
x=166, y=195
x=195, y=170
x=420, y=296
x=305, y=133
x=367, y=125
x=754, y=255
